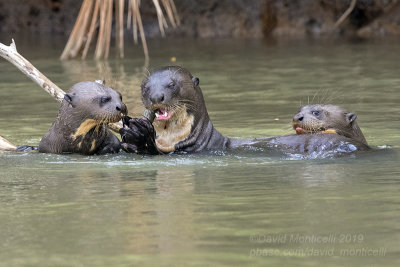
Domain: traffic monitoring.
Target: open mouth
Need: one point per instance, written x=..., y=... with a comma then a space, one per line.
x=301, y=130
x=162, y=114
x=114, y=119
x=119, y=117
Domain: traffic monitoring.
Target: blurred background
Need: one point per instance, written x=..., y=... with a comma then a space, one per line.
x=223, y=18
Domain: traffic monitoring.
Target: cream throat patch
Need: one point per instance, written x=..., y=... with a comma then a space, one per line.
x=172, y=131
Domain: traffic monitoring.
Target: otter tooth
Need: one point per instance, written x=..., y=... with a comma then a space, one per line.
x=157, y=114
x=166, y=114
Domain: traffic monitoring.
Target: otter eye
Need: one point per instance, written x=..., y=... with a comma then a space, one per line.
x=171, y=85
x=316, y=113
x=105, y=99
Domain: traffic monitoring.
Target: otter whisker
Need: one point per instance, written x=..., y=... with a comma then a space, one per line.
x=81, y=129
x=186, y=100
x=315, y=94
x=182, y=104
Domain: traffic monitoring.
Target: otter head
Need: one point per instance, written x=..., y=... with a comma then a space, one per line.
x=169, y=90
x=94, y=101
x=175, y=97
x=327, y=119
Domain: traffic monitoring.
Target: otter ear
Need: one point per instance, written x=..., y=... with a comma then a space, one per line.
x=350, y=117
x=196, y=81
x=102, y=81
x=70, y=99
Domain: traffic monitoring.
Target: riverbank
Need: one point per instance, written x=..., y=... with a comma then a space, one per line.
x=224, y=18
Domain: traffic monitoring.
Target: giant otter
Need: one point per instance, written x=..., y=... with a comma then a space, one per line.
x=181, y=119
x=182, y=123
x=321, y=128
x=328, y=119
x=80, y=126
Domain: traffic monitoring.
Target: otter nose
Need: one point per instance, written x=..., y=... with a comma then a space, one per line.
x=157, y=98
x=298, y=117
x=122, y=108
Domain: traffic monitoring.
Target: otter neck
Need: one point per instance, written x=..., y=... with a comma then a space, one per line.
x=355, y=133
x=203, y=136
x=78, y=125
x=174, y=130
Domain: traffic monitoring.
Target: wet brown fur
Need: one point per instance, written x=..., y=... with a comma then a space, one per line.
x=331, y=119
x=80, y=126
x=189, y=129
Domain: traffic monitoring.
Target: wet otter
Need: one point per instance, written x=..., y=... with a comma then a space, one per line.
x=182, y=123
x=328, y=119
x=181, y=119
x=322, y=130
x=80, y=126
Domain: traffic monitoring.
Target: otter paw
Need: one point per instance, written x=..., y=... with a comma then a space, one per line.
x=140, y=134
x=144, y=126
x=132, y=135
x=129, y=148
x=125, y=120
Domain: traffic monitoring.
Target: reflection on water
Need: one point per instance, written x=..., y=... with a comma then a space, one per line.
x=215, y=208
x=115, y=76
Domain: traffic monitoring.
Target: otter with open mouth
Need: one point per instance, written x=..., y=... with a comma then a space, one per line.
x=328, y=119
x=321, y=128
x=181, y=123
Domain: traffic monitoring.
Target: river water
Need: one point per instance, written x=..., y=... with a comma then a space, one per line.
x=247, y=209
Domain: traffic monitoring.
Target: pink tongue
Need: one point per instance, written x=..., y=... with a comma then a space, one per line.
x=300, y=130
x=162, y=115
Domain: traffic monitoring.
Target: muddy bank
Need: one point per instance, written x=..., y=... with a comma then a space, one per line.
x=224, y=18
